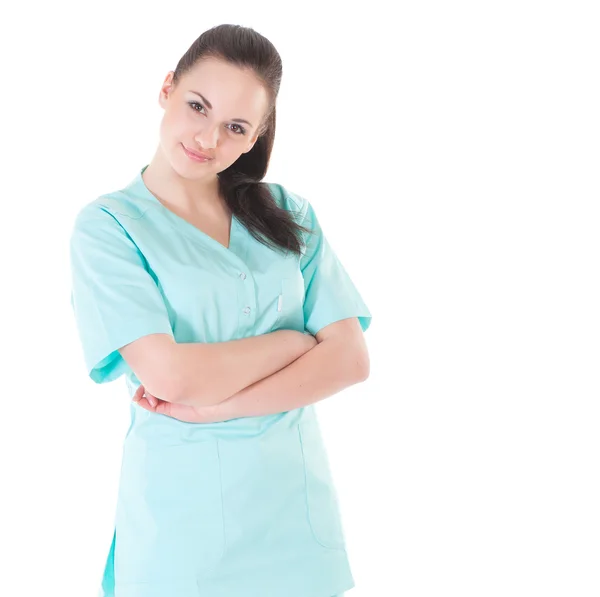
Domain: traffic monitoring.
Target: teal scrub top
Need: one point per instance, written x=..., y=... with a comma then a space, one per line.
x=240, y=508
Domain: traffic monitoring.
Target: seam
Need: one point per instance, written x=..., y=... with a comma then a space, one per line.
x=224, y=549
x=310, y=524
x=102, y=201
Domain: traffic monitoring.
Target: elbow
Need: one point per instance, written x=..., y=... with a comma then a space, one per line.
x=360, y=362
x=191, y=383
x=353, y=358
x=196, y=395
x=166, y=389
x=182, y=385
x=366, y=371
x=357, y=364
x=171, y=385
x=363, y=367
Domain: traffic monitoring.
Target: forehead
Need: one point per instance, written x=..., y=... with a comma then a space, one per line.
x=232, y=91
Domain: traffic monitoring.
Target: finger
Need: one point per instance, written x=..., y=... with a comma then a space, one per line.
x=159, y=406
x=175, y=411
x=139, y=393
x=143, y=403
x=170, y=410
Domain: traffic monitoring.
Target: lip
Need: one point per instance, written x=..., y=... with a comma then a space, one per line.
x=196, y=156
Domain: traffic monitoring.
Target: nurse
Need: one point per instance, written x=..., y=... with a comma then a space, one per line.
x=219, y=299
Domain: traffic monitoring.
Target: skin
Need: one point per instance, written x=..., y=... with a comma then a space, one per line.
x=338, y=360
x=192, y=187
x=189, y=414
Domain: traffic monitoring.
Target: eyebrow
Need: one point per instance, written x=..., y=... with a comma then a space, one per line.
x=209, y=106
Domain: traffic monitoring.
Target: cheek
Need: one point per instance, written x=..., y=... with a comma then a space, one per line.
x=166, y=130
x=233, y=152
x=226, y=149
x=173, y=125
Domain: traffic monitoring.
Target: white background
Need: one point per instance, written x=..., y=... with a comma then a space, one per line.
x=451, y=151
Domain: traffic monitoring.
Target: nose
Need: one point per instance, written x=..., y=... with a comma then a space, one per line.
x=207, y=137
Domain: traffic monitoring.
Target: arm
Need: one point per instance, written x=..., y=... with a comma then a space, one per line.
x=208, y=374
x=339, y=360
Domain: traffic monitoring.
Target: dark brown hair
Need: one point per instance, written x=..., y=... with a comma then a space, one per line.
x=249, y=199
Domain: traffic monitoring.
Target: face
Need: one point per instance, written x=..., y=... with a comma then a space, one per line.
x=222, y=122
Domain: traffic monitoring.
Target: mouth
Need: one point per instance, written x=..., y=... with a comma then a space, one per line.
x=195, y=155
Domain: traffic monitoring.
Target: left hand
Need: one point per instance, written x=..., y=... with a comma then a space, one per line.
x=182, y=412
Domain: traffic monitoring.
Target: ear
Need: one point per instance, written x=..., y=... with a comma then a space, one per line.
x=165, y=90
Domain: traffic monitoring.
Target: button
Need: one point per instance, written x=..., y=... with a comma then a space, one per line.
x=243, y=276
x=246, y=310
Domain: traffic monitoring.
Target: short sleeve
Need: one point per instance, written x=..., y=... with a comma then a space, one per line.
x=330, y=294
x=114, y=298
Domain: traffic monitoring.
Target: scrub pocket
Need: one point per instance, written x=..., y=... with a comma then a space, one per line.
x=288, y=303
x=321, y=496
x=169, y=522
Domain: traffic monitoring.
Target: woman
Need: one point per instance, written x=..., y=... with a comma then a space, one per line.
x=220, y=299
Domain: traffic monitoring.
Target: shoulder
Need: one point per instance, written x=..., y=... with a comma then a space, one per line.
x=108, y=217
x=112, y=209
x=116, y=204
x=287, y=199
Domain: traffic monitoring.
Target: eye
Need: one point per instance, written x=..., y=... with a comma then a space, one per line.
x=192, y=104
x=240, y=129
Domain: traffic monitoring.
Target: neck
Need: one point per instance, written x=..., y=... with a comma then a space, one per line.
x=188, y=195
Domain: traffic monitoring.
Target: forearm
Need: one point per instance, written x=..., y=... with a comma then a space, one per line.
x=326, y=369
x=210, y=373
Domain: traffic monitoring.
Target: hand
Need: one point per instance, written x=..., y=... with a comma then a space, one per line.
x=182, y=412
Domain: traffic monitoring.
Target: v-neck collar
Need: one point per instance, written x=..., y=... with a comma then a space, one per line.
x=181, y=224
